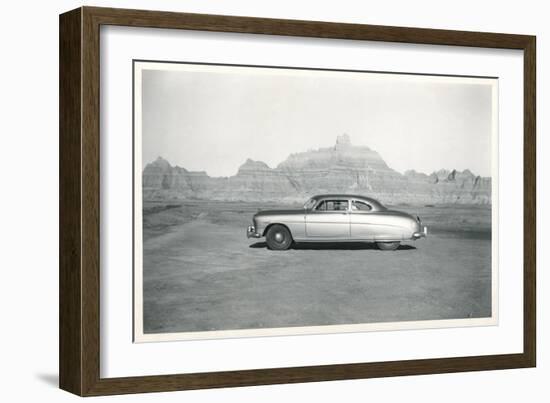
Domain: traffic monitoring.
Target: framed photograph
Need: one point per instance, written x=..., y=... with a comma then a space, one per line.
x=249, y=201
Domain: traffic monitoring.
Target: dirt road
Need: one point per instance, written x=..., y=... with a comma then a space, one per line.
x=201, y=273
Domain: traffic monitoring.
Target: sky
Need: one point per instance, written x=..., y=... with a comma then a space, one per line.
x=212, y=118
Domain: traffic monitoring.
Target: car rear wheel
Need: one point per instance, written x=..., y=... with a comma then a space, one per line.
x=388, y=245
x=278, y=237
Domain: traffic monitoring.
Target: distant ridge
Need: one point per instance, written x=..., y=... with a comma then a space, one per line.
x=343, y=168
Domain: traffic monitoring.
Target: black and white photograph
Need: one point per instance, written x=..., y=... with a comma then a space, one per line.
x=274, y=200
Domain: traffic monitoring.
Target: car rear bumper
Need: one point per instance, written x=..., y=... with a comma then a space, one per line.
x=421, y=234
x=251, y=232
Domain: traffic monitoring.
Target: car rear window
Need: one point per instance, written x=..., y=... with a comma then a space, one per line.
x=360, y=206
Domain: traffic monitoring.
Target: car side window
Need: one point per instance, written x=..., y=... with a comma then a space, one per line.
x=332, y=205
x=360, y=206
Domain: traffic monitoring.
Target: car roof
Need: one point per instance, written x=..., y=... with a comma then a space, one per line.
x=369, y=200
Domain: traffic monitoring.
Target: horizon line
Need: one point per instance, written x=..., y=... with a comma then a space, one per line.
x=275, y=168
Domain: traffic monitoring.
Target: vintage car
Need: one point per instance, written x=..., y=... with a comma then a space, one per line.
x=336, y=218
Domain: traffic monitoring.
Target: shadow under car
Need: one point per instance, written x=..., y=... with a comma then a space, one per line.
x=332, y=246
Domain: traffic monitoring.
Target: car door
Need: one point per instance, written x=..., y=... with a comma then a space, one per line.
x=329, y=219
x=363, y=223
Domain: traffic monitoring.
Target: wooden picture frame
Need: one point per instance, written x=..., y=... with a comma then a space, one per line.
x=79, y=347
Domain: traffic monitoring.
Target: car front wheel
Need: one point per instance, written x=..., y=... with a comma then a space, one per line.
x=387, y=245
x=278, y=237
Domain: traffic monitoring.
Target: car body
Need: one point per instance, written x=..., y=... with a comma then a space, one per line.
x=337, y=218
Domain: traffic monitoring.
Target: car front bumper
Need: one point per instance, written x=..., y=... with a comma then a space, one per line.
x=251, y=232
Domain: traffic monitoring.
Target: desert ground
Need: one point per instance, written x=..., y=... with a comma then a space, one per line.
x=201, y=273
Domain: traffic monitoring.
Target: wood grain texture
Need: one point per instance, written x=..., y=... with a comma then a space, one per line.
x=90, y=202
x=317, y=29
x=70, y=271
x=80, y=196
x=530, y=202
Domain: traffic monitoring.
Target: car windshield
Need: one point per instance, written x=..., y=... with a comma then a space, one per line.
x=309, y=204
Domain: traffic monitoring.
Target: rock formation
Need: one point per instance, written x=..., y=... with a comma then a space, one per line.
x=343, y=168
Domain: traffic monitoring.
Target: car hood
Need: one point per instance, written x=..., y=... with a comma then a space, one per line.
x=270, y=213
